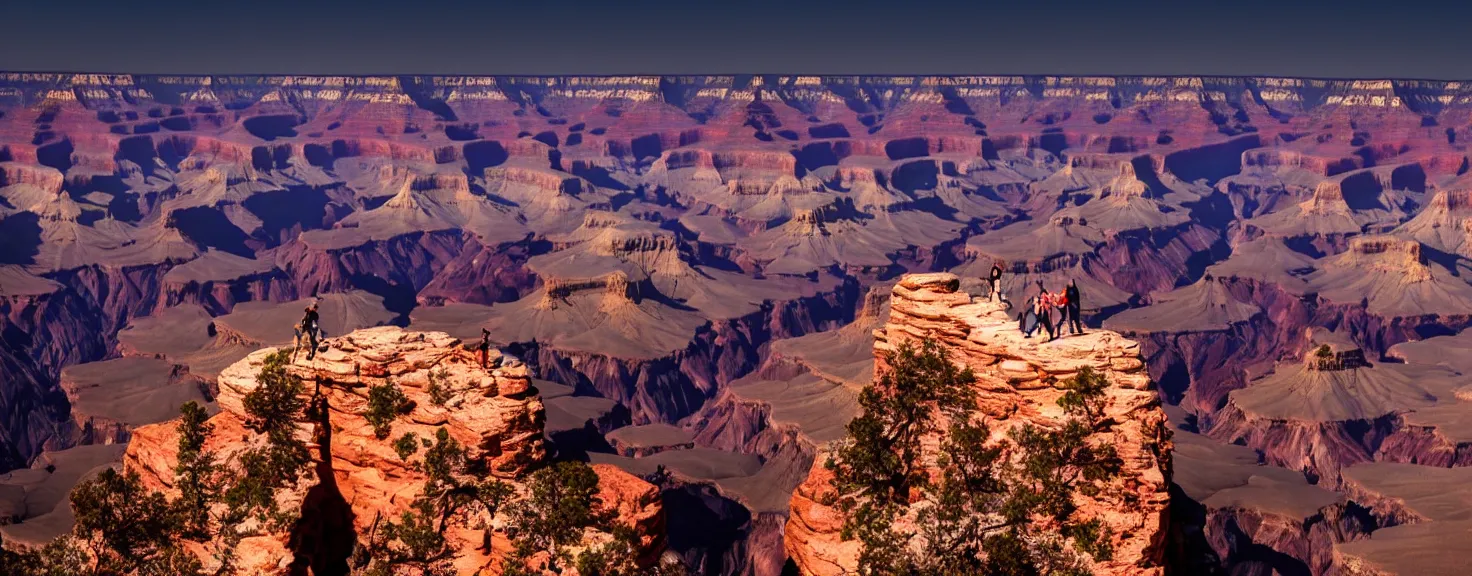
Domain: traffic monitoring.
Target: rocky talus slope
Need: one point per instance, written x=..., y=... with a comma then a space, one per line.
x=1017, y=383
x=358, y=479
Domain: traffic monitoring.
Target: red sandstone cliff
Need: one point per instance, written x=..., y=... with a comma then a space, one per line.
x=496, y=414
x=1016, y=384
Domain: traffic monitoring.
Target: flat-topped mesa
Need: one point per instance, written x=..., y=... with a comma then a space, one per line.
x=43, y=177
x=1332, y=351
x=111, y=397
x=1273, y=158
x=1450, y=202
x=1328, y=198
x=544, y=180
x=1018, y=383
x=617, y=288
x=814, y=221
x=780, y=184
x=1390, y=254
x=623, y=242
x=454, y=181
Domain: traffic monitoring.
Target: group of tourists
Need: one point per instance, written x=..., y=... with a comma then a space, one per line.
x=309, y=335
x=1039, y=309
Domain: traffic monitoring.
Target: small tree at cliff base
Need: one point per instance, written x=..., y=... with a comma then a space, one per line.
x=455, y=487
x=997, y=506
x=127, y=529
x=561, y=500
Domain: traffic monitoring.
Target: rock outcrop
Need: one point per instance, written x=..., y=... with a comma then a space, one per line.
x=496, y=414
x=1016, y=381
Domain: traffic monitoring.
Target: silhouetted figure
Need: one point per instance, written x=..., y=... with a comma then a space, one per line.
x=1073, y=308
x=996, y=283
x=1045, y=317
x=1043, y=308
x=485, y=347
x=1027, y=319
x=309, y=329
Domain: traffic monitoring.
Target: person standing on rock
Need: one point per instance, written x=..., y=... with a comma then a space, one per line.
x=1027, y=320
x=1073, y=309
x=1042, y=309
x=310, y=321
x=996, y=282
x=1047, y=301
x=485, y=347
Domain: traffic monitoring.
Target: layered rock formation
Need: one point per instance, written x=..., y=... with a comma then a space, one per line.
x=1016, y=381
x=1425, y=511
x=686, y=250
x=1333, y=408
x=497, y=414
x=1250, y=516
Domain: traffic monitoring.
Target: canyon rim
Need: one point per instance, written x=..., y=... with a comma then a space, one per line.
x=693, y=275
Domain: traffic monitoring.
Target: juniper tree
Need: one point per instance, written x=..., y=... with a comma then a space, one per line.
x=454, y=487
x=196, y=474
x=619, y=557
x=127, y=529
x=978, y=515
x=406, y=446
x=63, y=556
x=562, y=500
x=438, y=390
x=272, y=408
x=880, y=458
x=385, y=402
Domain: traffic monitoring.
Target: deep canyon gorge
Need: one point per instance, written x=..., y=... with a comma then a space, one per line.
x=697, y=272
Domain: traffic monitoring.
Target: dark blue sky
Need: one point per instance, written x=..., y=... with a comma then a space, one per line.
x=1347, y=38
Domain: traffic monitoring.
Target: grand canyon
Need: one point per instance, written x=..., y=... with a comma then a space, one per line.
x=687, y=280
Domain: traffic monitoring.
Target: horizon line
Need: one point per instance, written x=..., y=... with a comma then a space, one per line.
x=734, y=74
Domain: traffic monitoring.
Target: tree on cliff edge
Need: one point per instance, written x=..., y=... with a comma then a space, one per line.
x=273, y=409
x=978, y=505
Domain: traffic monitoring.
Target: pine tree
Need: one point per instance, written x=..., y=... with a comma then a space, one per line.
x=273, y=408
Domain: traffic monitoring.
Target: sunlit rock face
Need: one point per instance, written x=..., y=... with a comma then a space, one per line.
x=497, y=413
x=1017, y=383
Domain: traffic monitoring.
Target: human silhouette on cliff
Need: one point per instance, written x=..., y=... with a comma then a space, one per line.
x=1072, y=309
x=309, y=328
x=485, y=347
x=995, y=281
x=1042, y=308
